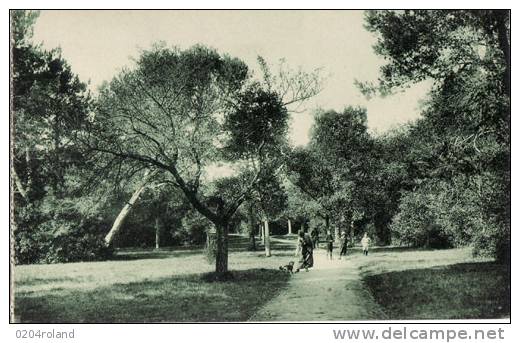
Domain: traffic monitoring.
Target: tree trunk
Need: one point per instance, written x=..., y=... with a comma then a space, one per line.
x=221, y=260
x=266, y=238
x=336, y=229
x=28, y=162
x=261, y=233
x=503, y=41
x=127, y=208
x=157, y=233
x=57, y=179
x=289, y=228
x=251, y=226
x=18, y=184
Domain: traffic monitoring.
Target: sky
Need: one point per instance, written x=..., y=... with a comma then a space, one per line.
x=97, y=44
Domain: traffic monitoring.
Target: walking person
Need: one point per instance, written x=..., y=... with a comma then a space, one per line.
x=330, y=244
x=305, y=247
x=344, y=244
x=365, y=243
x=315, y=234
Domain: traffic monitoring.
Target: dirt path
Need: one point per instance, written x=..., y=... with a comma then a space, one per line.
x=331, y=291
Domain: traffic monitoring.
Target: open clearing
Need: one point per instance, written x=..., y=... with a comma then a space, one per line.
x=172, y=286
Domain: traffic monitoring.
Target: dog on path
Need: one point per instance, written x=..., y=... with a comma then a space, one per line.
x=288, y=267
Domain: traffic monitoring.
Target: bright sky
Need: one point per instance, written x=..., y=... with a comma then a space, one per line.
x=99, y=43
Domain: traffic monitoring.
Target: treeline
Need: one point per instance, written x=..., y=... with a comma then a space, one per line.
x=458, y=154
x=443, y=180
x=80, y=162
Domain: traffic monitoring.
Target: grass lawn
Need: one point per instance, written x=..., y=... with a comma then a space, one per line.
x=150, y=286
x=175, y=285
x=440, y=284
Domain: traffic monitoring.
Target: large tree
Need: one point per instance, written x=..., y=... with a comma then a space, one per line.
x=185, y=112
x=49, y=107
x=314, y=181
x=458, y=154
x=428, y=44
x=335, y=169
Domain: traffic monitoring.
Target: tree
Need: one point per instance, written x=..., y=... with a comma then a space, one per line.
x=391, y=175
x=184, y=111
x=300, y=206
x=271, y=200
x=49, y=105
x=53, y=219
x=128, y=206
x=335, y=170
x=459, y=152
x=422, y=44
x=313, y=178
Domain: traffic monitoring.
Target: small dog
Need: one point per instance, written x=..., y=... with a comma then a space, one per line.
x=288, y=267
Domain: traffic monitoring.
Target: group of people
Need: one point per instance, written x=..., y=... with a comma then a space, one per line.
x=344, y=240
x=306, y=244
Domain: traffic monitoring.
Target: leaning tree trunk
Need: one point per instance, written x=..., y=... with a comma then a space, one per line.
x=127, y=208
x=18, y=184
x=289, y=228
x=267, y=243
x=221, y=258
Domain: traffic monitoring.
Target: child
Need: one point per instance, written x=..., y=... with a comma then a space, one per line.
x=344, y=244
x=365, y=242
x=330, y=240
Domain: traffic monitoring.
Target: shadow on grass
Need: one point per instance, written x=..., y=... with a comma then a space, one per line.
x=186, y=298
x=460, y=291
x=237, y=243
x=149, y=253
x=38, y=281
x=382, y=249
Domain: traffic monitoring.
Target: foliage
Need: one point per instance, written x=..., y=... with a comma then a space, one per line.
x=194, y=229
x=57, y=230
x=336, y=170
x=205, y=111
x=52, y=221
x=259, y=122
x=454, y=165
x=420, y=44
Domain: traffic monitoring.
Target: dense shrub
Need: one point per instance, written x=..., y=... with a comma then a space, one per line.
x=192, y=230
x=415, y=224
x=54, y=231
x=55, y=241
x=454, y=213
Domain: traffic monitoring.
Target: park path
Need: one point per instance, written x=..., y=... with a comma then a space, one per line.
x=331, y=291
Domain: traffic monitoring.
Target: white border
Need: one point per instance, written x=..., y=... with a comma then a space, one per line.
x=250, y=333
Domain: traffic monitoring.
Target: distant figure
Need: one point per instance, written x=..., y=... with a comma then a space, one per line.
x=305, y=246
x=315, y=234
x=330, y=244
x=344, y=244
x=365, y=243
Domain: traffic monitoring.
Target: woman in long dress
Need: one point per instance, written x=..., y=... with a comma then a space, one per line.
x=305, y=249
